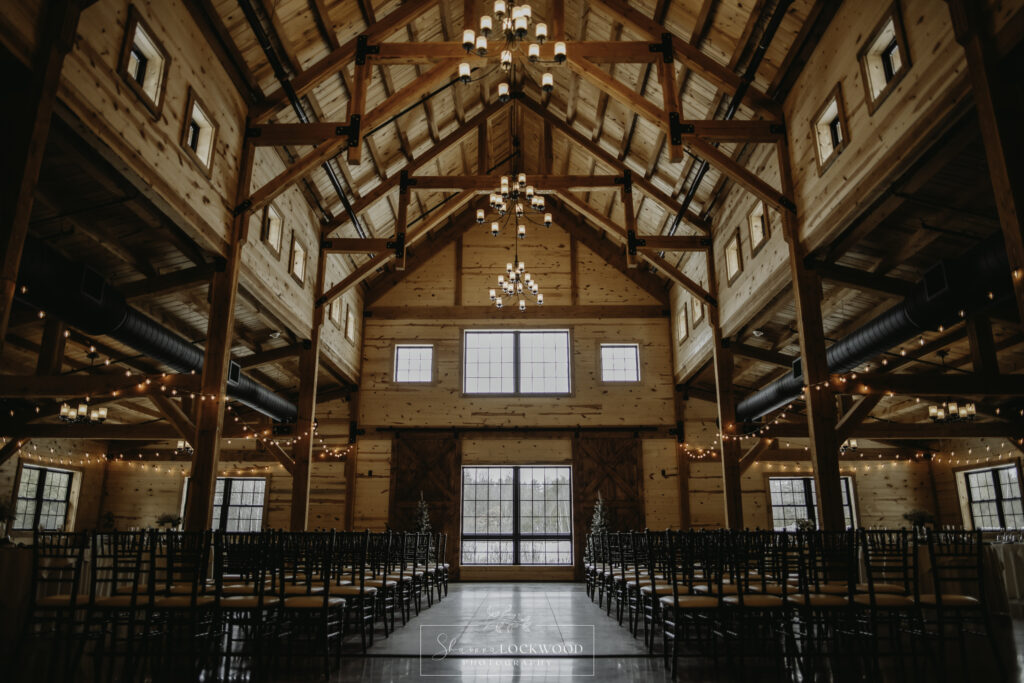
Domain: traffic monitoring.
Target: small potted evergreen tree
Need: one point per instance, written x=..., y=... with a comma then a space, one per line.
x=598, y=525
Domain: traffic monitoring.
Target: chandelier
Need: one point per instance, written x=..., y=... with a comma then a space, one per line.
x=82, y=414
x=514, y=28
x=952, y=411
x=184, y=448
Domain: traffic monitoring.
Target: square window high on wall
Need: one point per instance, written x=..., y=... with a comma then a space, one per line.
x=829, y=129
x=297, y=262
x=884, y=59
x=199, y=133
x=272, y=229
x=757, y=226
x=414, y=363
x=696, y=310
x=143, y=64
x=733, y=258
x=682, y=328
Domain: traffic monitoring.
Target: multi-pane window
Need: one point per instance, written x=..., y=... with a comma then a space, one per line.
x=414, y=362
x=620, y=363
x=43, y=495
x=793, y=499
x=516, y=515
x=516, y=362
x=995, y=498
x=238, y=504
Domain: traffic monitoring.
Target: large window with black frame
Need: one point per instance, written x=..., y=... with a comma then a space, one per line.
x=793, y=500
x=237, y=503
x=994, y=498
x=43, y=495
x=517, y=515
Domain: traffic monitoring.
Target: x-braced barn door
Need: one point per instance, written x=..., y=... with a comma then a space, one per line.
x=613, y=466
x=432, y=464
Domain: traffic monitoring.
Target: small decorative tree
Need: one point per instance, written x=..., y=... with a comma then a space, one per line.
x=598, y=524
x=169, y=520
x=6, y=517
x=423, y=516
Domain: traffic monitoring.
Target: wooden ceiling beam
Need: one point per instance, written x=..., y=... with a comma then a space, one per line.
x=863, y=280
x=930, y=384
x=270, y=355
x=645, y=185
x=338, y=58
x=167, y=283
x=764, y=355
x=693, y=58
x=532, y=312
x=74, y=386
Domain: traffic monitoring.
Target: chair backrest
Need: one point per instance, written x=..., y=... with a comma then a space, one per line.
x=120, y=564
x=57, y=559
x=179, y=562
x=957, y=563
x=890, y=557
x=251, y=560
x=351, y=554
x=829, y=560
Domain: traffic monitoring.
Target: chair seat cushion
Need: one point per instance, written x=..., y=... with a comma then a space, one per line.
x=662, y=590
x=352, y=590
x=55, y=601
x=312, y=602
x=818, y=600
x=300, y=589
x=885, y=600
x=182, y=601
x=247, y=601
x=727, y=588
x=690, y=601
x=770, y=588
x=882, y=588
x=951, y=600
x=122, y=601
x=238, y=589
x=833, y=587
x=755, y=600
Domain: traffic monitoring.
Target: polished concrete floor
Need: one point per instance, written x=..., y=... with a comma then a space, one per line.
x=481, y=631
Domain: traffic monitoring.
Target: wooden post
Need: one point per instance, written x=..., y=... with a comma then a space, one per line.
x=481, y=148
x=402, y=221
x=556, y=22
x=28, y=118
x=670, y=100
x=216, y=362
x=983, y=347
x=632, y=257
x=724, y=362
x=682, y=460
x=51, y=350
x=549, y=149
x=356, y=107
x=996, y=98
x=821, y=404
x=351, y=464
x=302, y=449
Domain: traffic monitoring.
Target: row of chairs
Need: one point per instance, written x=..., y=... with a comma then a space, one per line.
x=183, y=605
x=806, y=603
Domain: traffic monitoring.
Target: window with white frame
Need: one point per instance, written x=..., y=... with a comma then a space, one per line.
x=994, y=498
x=733, y=260
x=43, y=497
x=238, y=503
x=199, y=133
x=682, y=328
x=697, y=309
x=620, y=362
x=143, y=62
x=830, y=132
x=350, y=324
x=884, y=58
x=414, y=363
x=273, y=227
x=517, y=515
x=757, y=224
x=516, y=362
x=793, y=499
x=297, y=262
x=334, y=312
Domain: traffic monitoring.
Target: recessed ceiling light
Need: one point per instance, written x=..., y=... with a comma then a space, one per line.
x=758, y=333
x=275, y=334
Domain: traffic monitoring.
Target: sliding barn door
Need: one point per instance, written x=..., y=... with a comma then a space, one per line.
x=612, y=466
x=431, y=464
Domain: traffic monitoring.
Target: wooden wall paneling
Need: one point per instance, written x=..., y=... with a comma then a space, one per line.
x=998, y=102
x=220, y=331
x=661, y=493
x=28, y=125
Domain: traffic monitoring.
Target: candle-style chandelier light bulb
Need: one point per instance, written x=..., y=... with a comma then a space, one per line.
x=521, y=232
x=506, y=59
x=547, y=82
x=541, y=31
x=481, y=45
x=495, y=228
x=485, y=25
x=464, y=72
x=503, y=92
x=479, y=215
x=468, y=39
x=533, y=52
x=560, y=55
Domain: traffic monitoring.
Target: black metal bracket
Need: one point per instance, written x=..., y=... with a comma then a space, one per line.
x=788, y=203
x=664, y=47
x=352, y=130
x=242, y=208
x=321, y=300
x=405, y=182
x=633, y=242
x=677, y=129
x=364, y=48
x=777, y=129
x=253, y=131
x=354, y=431
x=398, y=244
x=678, y=431
x=626, y=180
